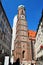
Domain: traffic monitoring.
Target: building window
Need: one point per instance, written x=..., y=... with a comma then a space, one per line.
x=37, y=38
x=0, y=23
x=0, y=47
x=41, y=26
x=3, y=17
x=41, y=40
x=0, y=11
x=42, y=30
x=38, y=35
x=23, y=54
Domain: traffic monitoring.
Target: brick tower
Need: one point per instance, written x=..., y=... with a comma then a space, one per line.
x=21, y=43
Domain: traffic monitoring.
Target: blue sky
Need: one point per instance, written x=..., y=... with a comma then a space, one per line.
x=33, y=11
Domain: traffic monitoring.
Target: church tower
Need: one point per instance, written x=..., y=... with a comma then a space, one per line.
x=21, y=43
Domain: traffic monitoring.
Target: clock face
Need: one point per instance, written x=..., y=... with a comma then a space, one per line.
x=22, y=17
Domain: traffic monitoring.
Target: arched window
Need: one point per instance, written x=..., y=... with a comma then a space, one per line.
x=23, y=54
x=21, y=11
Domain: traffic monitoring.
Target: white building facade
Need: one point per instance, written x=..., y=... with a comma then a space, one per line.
x=39, y=41
x=13, y=37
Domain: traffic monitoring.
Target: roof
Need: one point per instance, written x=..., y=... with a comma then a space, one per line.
x=31, y=34
x=21, y=6
x=5, y=15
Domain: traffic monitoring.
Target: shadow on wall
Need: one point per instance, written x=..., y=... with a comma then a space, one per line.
x=16, y=63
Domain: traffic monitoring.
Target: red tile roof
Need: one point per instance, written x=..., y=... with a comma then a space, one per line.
x=31, y=34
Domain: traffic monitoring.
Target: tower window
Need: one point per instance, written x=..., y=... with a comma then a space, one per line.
x=23, y=54
x=22, y=11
